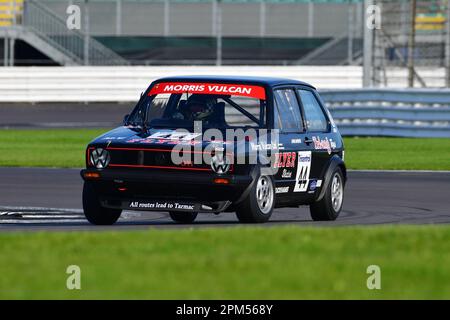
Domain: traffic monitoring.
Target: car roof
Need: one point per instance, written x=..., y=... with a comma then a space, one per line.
x=265, y=81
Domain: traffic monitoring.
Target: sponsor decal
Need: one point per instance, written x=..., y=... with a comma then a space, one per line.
x=296, y=141
x=173, y=135
x=169, y=138
x=164, y=141
x=332, y=144
x=303, y=171
x=313, y=185
x=285, y=160
x=161, y=205
x=282, y=190
x=266, y=146
x=113, y=138
x=320, y=144
x=209, y=88
x=286, y=174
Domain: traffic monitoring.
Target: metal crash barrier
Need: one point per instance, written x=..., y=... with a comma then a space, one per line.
x=391, y=112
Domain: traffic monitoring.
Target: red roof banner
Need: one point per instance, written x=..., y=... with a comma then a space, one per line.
x=209, y=88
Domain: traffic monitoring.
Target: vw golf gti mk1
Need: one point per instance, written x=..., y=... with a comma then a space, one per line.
x=213, y=144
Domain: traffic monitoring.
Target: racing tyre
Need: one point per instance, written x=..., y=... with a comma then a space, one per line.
x=94, y=212
x=183, y=217
x=258, y=206
x=329, y=207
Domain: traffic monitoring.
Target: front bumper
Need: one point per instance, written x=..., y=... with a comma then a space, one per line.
x=155, y=190
x=165, y=205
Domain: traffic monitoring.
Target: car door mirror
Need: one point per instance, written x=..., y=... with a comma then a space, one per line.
x=125, y=119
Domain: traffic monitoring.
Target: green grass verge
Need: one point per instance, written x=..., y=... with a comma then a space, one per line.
x=65, y=148
x=397, y=153
x=229, y=263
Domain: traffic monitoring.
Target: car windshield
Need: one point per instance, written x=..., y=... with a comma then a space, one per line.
x=174, y=105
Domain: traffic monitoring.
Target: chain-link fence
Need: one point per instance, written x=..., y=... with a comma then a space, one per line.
x=222, y=32
x=412, y=44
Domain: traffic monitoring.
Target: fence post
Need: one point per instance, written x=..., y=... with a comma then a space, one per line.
x=219, y=35
x=359, y=19
x=5, y=51
x=368, y=47
x=118, y=17
x=166, y=18
x=310, y=19
x=350, y=34
x=14, y=14
x=86, y=32
x=412, y=44
x=262, y=19
x=12, y=45
x=213, y=18
x=447, y=47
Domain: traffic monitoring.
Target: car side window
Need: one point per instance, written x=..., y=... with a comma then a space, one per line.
x=314, y=116
x=287, y=111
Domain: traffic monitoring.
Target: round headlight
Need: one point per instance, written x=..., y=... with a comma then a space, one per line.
x=100, y=158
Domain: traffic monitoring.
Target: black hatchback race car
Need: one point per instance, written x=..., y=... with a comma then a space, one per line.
x=218, y=144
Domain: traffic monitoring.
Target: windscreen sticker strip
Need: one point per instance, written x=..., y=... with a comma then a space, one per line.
x=209, y=88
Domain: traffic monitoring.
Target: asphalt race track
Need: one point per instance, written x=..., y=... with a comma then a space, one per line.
x=50, y=199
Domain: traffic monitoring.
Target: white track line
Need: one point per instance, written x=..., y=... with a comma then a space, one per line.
x=49, y=221
x=21, y=209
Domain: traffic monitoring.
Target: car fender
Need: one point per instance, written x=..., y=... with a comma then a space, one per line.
x=254, y=173
x=334, y=162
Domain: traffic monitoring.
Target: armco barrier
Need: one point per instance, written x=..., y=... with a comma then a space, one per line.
x=384, y=112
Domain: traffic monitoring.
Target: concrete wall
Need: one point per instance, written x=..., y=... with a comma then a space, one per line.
x=96, y=84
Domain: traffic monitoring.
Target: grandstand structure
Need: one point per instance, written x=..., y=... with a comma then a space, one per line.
x=411, y=46
x=152, y=32
x=42, y=30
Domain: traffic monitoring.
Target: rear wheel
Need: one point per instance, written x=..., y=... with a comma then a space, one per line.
x=94, y=212
x=329, y=207
x=183, y=217
x=258, y=206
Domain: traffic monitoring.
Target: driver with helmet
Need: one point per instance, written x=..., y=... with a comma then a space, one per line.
x=200, y=108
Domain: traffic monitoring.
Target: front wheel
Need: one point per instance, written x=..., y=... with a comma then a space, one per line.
x=183, y=217
x=258, y=206
x=94, y=212
x=329, y=207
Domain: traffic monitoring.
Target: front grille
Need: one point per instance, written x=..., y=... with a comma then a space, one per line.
x=151, y=158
